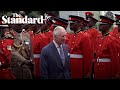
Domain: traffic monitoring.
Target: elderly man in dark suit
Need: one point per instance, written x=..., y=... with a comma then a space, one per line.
x=55, y=57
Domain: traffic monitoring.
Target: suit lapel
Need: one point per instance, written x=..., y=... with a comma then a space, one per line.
x=54, y=49
x=65, y=53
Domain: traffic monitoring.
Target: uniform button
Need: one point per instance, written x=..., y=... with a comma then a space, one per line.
x=73, y=42
x=4, y=48
x=3, y=69
x=98, y=51
x=74, y=36
x=2, y=41
x=71, y=48
x=100, y=45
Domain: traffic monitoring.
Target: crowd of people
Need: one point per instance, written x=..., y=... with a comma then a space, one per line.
x=72, y=48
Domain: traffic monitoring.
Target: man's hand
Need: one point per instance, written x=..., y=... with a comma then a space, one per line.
x=27, y=62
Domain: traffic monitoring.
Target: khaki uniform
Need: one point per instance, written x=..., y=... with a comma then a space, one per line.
x=20, y=53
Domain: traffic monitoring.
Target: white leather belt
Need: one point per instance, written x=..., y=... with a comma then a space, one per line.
x=76, y=56
x=103, y=60
x=36, y=55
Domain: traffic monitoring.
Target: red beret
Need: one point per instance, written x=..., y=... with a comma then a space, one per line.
x=105, y=19
x=89, y=13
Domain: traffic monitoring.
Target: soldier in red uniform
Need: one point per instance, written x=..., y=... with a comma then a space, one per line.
x=79, y=43
x=39, y=40
x=47, y=29
x=115, y=30
x=106, y=64
x=116, y=34
x=5, y=58
x=93, y=32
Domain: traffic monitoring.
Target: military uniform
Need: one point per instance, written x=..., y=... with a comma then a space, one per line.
x=38, y=42
x=80, y=58
x=106, y=64
x=116, y=33
x=21, y=64
x=5, y=59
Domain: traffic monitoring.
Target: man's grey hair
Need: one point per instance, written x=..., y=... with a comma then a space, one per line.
x=56, y=30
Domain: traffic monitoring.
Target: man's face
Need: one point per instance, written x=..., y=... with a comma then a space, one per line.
x=102, y=27
x=61, y=37
x=74, y=26
x=45, y=27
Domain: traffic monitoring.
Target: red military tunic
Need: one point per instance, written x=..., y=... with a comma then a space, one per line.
x=106, y=61
x=49, y=35
x=116, y=34
x=38, y=42
x=5, y=58
x=93, y=32
x=114, y=31
x=80, y=56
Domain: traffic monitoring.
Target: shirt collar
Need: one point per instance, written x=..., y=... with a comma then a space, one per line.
x=57, y=46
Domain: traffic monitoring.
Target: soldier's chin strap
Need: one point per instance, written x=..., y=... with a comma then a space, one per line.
x=38, y=31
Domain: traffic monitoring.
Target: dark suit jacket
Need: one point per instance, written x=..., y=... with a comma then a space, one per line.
x=51, y=66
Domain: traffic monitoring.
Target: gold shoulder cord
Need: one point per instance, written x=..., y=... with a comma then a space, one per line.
x=18, y=46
